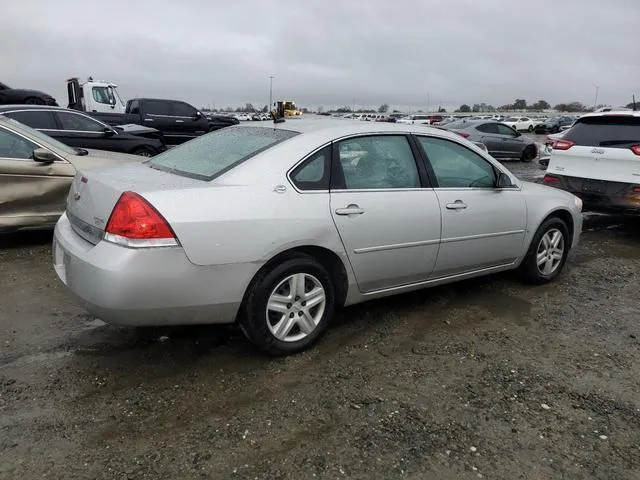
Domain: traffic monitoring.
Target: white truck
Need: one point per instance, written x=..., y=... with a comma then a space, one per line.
x=91, y=96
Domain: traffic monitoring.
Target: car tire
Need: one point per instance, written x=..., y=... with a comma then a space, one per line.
x=542, y=250
x=143, y=152
x=34, y=101
x=528, y=154
x=291, y=326
x=530, y=129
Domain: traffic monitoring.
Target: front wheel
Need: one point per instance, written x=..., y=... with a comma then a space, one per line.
x=547, y=253
x=288, y=307
x=530, y=129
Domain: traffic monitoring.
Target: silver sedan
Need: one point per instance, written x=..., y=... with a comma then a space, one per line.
x=275, y=227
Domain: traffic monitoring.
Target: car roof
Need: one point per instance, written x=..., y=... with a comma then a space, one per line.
x=11, y=108
x=627, y=113
x=327, y=129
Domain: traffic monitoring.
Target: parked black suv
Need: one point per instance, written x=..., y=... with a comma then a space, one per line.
x=12, y=96
x=81, y=131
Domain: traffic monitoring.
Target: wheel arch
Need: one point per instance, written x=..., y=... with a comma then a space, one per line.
x=561, y=213
x=329, y=259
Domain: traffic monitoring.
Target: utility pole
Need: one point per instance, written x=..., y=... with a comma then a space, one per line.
x=271, y=91
x=595, y=102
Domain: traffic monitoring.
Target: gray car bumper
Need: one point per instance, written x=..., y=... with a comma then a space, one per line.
x=143, y=287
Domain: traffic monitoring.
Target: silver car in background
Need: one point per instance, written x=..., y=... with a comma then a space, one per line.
x=277, y=226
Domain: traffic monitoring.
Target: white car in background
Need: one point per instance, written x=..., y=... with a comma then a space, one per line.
x=598, y=160
x=415, y=119
x=243, y=117
x=520, y=123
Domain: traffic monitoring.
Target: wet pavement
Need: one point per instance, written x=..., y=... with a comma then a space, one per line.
x=487, y=378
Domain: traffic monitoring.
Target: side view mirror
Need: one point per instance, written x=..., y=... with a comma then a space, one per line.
x=503, y=181
x=197, y=116
x=108, y=132
x=43, y=155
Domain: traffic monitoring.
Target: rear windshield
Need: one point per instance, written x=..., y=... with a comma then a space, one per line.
x=209, y=156
x=614, y=131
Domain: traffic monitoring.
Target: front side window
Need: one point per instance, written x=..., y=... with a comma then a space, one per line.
x=34, y=119
x=456, y=166
x=103, y=95
x=157, y=107
x=79, y=123
x=211, y=155
x=313, y=174
x=382, y=161
x=14, y=146
x=488, y=128
x=183, y=110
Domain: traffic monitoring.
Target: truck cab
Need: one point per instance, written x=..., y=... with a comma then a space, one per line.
x=94, y=96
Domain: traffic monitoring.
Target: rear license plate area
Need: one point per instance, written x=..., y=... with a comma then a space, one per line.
x=594, y=186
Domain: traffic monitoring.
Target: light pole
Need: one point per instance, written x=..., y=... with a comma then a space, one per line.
x=271, y=91
x=595, y=102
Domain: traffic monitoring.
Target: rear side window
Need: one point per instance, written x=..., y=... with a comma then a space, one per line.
x=457, y=125
x=313, y=173
x=612, y=131
x=488, y=128
x=34, y=119
x=211, y=155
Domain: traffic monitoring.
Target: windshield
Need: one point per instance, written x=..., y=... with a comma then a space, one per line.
x=211, y=155
x=117, y=95
x=511, y=119
x=38, y=136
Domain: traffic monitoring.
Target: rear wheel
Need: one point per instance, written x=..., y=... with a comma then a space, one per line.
x=547, y=253
x=143, y=152
x=528, y=154
x=288, y=307
x=34, y=101
x=530, y=129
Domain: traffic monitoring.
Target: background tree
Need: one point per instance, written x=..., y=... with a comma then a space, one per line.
x=476, y=107
x=573, y=107
x=265, y=109
x=464, y=108
x=440, y=110
x=248, y=107
x=384, y=108
x=541, y=105
x=631, y=105
x=520, y=104
x=320, y=109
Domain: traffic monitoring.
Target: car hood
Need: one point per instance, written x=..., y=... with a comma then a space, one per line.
x=135, y=129
x=101, y=158
x=543, y=191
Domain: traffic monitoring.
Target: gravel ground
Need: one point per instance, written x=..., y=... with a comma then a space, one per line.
x=483, y=379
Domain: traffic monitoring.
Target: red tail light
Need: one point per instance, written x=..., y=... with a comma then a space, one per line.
x=636, y=149
x=134, y=222
x=562, y=144
x=550, y=179
x=463, y=134
x=636, y=189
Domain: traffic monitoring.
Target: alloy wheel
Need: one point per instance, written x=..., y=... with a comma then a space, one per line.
x=550, y=251
x=295, y=307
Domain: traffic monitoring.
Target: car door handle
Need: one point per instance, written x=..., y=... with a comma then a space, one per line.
x=179, y=121
x=350, y=210
x=457, y=205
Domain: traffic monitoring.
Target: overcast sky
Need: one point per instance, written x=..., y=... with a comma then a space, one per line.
x=415, y=53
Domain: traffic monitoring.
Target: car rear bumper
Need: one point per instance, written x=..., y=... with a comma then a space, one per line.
x=600, y=195
x=144, y=287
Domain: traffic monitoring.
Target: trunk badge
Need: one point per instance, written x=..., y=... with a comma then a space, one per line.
x=597, y=150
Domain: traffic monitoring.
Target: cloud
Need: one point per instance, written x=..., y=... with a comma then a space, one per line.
x=409, y=52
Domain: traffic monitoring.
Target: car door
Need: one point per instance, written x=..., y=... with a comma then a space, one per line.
x=189, y=121
x=30, y=192
x=159, y=114
x=386, y=213
x=81, y=131
x=512, y=142
x=490, y=137
x=482, y=226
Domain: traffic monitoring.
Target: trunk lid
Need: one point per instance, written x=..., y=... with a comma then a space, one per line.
x=95, y=191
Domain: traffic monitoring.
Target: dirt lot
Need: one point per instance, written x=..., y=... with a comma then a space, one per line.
x=484, y=379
